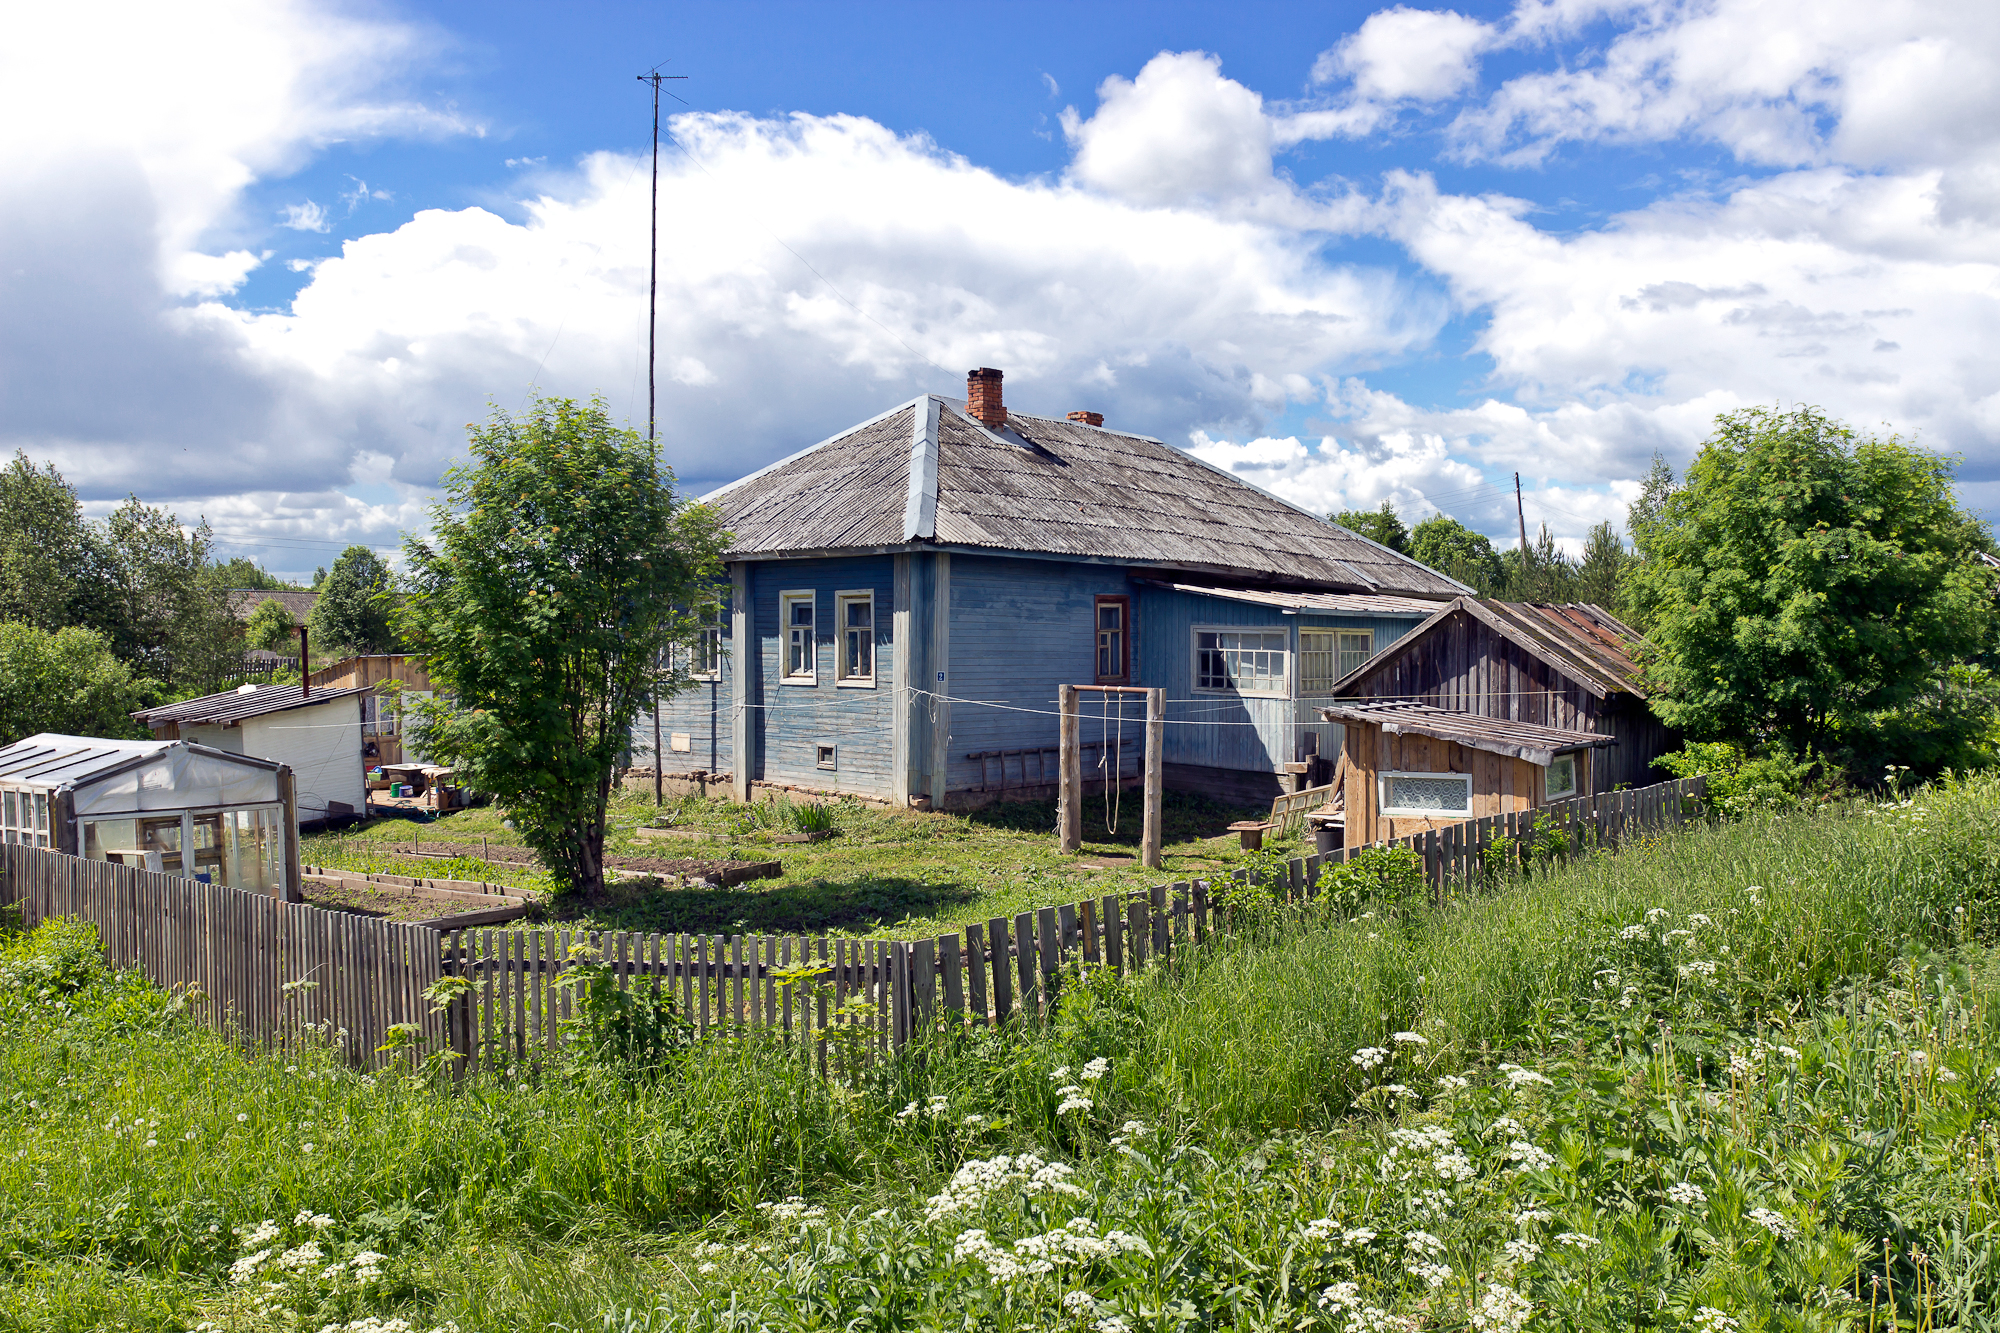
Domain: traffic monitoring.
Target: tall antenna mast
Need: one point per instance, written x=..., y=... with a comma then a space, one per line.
x=653, y=282
x=652, y=362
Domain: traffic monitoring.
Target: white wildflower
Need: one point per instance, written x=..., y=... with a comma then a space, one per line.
x=1502, y=1309
x=793, y=1209
x=1578, y=1240
x=1423, y=1243
x=301, y=1257
x=1519, y=1251
x=1453, y=1083
x=706, y=1268
x=1368, y=1057
x=1633, y=933
x=1529, y=1156
x=1686, y=1194
x=1078, y=1301
x=1410, y=1039
x=1708, y=1319
x=1774, y=1222
x=1111, y=1324
x=1434, y=1275
x=1095, y=1070
x=1657, y=914
x=1059, y=1073
x=1521, y=1078
x=308, y=1218
x=246, y=1268
x=1524, y=1217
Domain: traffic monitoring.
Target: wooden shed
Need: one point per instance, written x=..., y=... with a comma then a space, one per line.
x=1567, y=667
x=1409, y=767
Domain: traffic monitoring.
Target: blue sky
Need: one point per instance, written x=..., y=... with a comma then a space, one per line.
x=1351, y=252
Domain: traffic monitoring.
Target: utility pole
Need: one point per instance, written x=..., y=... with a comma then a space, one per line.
x=652, y=363
x=1522, y=515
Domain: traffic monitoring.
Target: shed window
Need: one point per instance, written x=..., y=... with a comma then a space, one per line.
x=1114, y=640
x=857, y=637
x=1560, y=778
x=1428, y=794
x=1325, y=655
x=797, y=610
x=24, y=818
x=1241, y=661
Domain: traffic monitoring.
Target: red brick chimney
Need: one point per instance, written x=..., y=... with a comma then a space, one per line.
x=1088, y=418
x=982, y=397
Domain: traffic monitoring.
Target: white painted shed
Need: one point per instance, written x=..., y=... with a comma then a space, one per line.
x=317, y=734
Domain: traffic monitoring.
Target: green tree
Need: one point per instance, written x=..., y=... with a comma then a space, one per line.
x=241, y=573
x=1382, y=525
x=1602, y=570
x=172, y=617
x=1546, y=574
x=561, y=568
x=271, y=628
x=1804, y=577
x=353, y=609
x=1456, y=551
x=66, y=681
x=53, y=563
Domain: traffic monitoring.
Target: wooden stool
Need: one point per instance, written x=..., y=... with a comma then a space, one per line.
x=1251, y=831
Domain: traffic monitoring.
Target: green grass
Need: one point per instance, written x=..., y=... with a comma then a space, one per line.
x=897, y=874
x=611, y=1197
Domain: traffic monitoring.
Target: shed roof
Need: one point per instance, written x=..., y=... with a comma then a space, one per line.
x=1324, y=603
x=50, y=760
x=242, y=601
x=234, y=705
x=1521, y=740
x=1586, y=643
x=927, y=472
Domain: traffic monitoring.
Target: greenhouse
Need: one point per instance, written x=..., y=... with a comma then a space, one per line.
x=169, y=806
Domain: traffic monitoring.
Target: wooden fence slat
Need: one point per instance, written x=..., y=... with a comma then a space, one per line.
x=975, y=974
x=1028, y=995
x=1114, y=936
x=954, y=979
x=1003, y=986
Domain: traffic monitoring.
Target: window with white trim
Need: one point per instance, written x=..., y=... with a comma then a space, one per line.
x=1559, y=780
x=1427, y=795
x=1242, y=661
x=1325, y=655
x=24, y=818
x=856, y=618
x=795, y=610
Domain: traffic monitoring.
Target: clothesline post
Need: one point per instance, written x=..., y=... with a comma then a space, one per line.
x=1069, y=767
x=1156, y=744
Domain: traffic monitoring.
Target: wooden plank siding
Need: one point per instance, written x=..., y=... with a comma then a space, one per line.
x=1501, y=784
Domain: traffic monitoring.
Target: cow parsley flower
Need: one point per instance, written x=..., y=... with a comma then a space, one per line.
x=1095, y=1070
x=1774, y=1222
x=1686, y=1194
x=1502, y=1310
x=1578, y=1240
x=1368, y=1057
x=1410, y=1039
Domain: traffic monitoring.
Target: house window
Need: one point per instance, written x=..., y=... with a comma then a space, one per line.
x=1241, y=661
x=1560, y=779
x=1325, y=655
x=1114, y=640
x=1431, y=795
x=796, y=610
x=857, y=637
x=824, y=756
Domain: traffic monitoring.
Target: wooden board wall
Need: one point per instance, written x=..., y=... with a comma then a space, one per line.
x=1463, y=665
x=1500, y=784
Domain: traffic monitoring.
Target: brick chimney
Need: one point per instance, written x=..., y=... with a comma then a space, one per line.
x=1088, y=418
x=982, y=397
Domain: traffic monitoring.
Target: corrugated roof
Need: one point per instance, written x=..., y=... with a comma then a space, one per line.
x=1584, y=642
x=1328, y=603
x=230, y=706
x=1521, y=740
x=1048, y=487
x=243, y=601
x=51, y=760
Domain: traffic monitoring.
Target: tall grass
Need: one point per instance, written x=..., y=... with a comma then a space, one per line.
x=1258, y=1033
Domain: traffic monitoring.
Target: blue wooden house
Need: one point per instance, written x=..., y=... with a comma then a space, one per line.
x=907, y=595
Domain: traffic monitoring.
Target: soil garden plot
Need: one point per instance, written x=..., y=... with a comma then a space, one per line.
x=396, y=902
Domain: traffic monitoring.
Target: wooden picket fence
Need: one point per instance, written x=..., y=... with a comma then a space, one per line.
x=269, y=971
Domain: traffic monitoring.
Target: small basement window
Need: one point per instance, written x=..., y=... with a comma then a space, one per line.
x=825, y=756
x=795, y=610
x=856, y=611
x=1560, y=778
x=1430, y=795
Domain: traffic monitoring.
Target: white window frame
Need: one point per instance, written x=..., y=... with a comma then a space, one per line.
x=1549, y=792
x=1283, y=689
x=841, y=601
x=1415, y=812
x=707, y=644
x=786, y=601
x=1309, y=688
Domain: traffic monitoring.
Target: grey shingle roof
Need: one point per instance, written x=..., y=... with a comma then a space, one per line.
x=1048, y=487
x=50, y=760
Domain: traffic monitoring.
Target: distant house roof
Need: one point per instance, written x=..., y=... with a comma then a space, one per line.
x=927, y=473
x=51, y=760
x=235, y=705
x=1521, y=740
x=1323, y=603
x=242, y=601
x=1586, y=643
